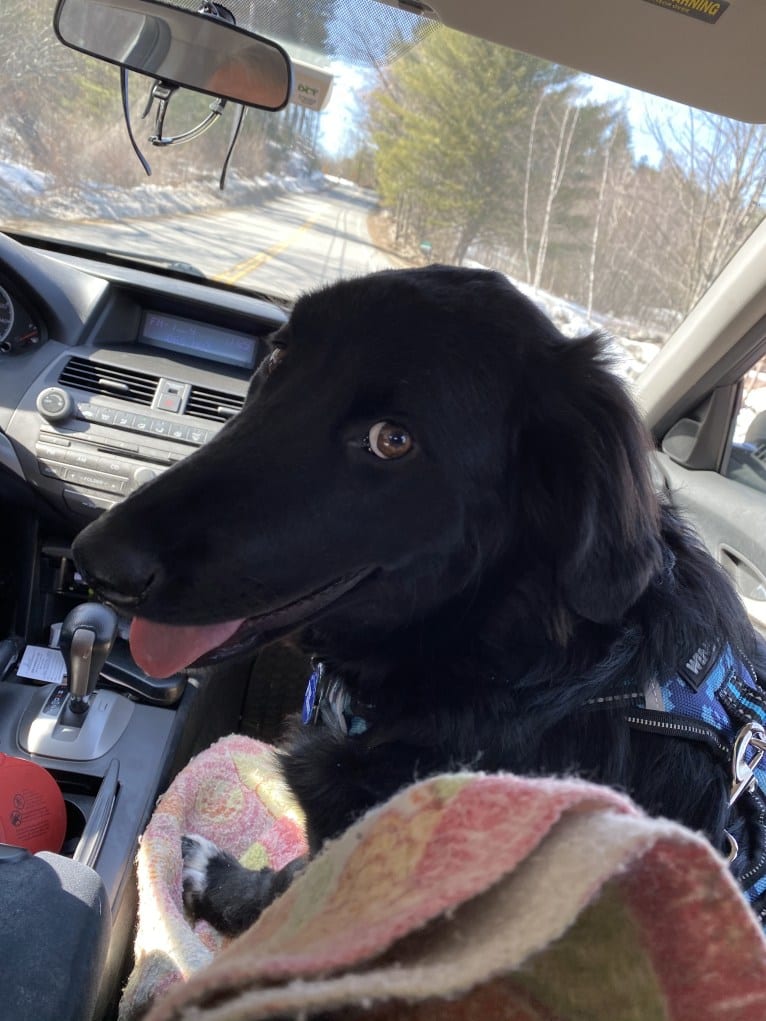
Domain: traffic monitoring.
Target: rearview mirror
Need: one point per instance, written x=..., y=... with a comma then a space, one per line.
x=198, y=51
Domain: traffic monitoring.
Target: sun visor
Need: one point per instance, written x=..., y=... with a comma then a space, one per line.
x=704, y=53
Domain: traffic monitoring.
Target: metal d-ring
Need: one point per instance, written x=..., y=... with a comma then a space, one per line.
x=751, y=737
x=733, y=847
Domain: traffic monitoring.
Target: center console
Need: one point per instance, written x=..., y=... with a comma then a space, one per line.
x=77, y=906
x=112, y=738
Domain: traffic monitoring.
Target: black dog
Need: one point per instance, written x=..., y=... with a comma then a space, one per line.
x=449, y=504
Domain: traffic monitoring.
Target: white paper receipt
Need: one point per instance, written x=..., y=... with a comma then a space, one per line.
x=41, y=664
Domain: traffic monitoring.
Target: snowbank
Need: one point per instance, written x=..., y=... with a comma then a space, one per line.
x=27, y=194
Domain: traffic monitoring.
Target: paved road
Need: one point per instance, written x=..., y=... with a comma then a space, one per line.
x=292, y=242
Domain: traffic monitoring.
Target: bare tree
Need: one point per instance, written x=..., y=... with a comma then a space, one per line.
x=527, y=182
x=718, y=168
x=564, y=143
x=597, y=222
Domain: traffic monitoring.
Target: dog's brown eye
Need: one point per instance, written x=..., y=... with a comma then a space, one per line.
x=273, y=360
x=388, y=440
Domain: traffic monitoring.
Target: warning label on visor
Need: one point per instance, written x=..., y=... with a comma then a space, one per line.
x=703, y=10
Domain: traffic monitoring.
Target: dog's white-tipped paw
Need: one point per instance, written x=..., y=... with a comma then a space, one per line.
x=197, y=854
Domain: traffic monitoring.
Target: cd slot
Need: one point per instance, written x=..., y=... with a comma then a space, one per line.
x=78, y=448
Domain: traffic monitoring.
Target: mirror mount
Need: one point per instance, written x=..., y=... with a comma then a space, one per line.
x=163, y=92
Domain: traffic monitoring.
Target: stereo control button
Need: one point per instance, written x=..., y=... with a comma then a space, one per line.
x=54, y=438
x=46, y=450
x=111, y=465
x=95, y=480
x=105, y=415
x=81, y=458
x=124, y=419
x=143, y=475
x=87, y=412
x=51, y=470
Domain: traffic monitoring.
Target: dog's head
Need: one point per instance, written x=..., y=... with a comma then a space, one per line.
x=418, y=441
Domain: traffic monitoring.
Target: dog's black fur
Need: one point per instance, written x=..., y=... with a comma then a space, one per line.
x=515, y=564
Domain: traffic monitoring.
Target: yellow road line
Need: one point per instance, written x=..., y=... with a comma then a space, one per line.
x=236, y=273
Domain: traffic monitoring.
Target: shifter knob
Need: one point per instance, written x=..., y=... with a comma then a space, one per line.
x=87, y=637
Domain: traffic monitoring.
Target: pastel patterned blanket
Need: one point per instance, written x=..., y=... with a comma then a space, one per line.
x=465, y=897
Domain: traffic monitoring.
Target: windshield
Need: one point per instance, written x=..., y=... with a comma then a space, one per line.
x=611, y=209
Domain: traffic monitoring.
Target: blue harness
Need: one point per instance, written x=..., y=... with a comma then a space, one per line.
x=714, y=699
x=326, y=699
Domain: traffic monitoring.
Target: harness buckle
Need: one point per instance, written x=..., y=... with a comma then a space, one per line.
x=751, y=737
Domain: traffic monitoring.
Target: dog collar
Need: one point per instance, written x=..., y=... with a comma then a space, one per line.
x=328, y=701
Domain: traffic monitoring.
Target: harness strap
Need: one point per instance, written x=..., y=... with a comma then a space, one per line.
x=715, y=699
x=654, y=721
x=752, y=818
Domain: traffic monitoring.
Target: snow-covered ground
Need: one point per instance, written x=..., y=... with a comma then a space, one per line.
x=27, y=194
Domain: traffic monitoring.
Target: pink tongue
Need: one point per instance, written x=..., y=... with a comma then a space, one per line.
x=164, y=649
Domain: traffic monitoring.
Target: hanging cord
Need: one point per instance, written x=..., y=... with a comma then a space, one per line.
x=239, y=120
x=126, y=113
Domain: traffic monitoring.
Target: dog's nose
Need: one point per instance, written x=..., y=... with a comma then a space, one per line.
x=122, y=577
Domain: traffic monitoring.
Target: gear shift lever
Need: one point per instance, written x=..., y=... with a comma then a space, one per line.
x=87, y=723
x=87, y=637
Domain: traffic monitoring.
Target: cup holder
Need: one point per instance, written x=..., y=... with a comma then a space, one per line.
x=80, y=793
x=89, y=801
x=75, y=824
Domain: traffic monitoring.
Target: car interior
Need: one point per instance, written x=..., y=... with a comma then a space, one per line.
x=115, y=365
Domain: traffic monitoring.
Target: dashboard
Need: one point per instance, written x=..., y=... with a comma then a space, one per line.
x=110, y=374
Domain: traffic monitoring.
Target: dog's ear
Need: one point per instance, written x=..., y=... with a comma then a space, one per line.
x=599, y=500
x=615, y=556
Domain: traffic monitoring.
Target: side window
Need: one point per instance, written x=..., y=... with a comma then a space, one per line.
x=747, y=459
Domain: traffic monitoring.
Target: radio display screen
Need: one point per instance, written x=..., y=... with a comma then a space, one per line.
x=200, y=340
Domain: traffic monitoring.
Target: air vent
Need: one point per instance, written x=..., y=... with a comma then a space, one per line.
x=111, y=380
x=213, y=404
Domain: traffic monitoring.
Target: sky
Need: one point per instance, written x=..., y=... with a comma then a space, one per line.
x=343, y=110
x=639, y=105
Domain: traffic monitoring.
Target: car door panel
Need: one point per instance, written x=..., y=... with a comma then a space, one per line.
x=730, y=518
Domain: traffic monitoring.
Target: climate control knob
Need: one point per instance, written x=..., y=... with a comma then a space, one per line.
x=54, y=403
